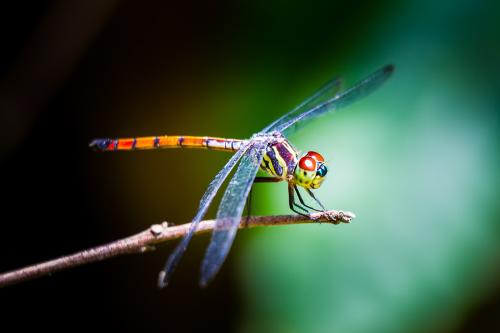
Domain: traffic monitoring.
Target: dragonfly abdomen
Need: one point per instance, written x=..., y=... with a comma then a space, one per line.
x=167, y=141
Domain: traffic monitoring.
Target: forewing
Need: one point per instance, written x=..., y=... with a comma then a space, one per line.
x=358, y=91
x=326, y=92
x=230, y=211
x=205, y=201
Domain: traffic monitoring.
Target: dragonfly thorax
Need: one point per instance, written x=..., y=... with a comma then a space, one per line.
x=280, y=159
x=310, y=170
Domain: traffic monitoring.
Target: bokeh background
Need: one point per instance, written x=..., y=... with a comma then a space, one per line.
x=417, y=162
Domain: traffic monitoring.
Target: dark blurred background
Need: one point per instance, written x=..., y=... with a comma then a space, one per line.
x=417, y=162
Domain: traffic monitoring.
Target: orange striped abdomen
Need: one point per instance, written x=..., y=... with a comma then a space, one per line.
x=167, y=141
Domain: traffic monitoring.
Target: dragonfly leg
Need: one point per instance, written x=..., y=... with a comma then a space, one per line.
x=302, y=201
x=315, y=199
x=291, y=197
x=249, y=207
x=249, y=198
x=293, y=204
x=267, y=180
x=335, y=221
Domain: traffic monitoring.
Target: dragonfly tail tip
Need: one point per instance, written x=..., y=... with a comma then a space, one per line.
x=100, y=144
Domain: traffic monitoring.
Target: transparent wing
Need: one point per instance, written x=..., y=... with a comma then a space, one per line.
x=326, y=92
x=213, y=187
x=358, y=91
x=230, y=211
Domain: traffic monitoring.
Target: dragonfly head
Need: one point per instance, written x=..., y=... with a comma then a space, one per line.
x=310, y=170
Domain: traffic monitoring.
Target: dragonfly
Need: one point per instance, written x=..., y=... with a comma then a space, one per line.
x=268, y=150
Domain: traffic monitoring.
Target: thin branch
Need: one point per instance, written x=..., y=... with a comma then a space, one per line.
x=146, y=240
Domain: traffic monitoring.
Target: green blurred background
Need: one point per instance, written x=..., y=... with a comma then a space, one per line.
x=417, y=162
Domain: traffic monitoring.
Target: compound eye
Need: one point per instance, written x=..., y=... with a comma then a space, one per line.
x=316, y=156
x=322, y=171
x=307, y=163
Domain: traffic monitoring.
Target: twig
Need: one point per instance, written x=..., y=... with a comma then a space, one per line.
x=156, y=234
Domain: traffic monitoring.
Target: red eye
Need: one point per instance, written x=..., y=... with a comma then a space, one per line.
x=316, y=156
x=307, y=163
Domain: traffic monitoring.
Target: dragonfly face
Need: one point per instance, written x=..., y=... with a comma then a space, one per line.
x=310, y=171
